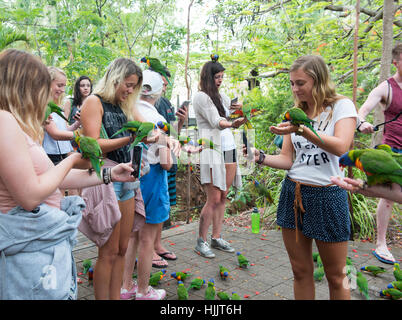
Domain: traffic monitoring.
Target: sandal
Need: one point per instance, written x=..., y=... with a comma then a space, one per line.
x=384, y=257
x=168, y=255
x=159, y=263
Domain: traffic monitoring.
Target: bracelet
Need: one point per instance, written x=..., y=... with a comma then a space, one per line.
x=361, y=122
x=107, y=175
x=261, y=158
x=300, y=130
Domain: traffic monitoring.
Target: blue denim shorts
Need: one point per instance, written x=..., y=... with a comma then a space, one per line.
x=122, y=192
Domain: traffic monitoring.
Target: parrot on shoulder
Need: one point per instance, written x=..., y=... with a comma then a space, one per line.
x=156, y=277
x=397, y=272
x=373, y=269
x=296, y=116
x=210, y=290
x=196, y=283
x=263, y=191
x=156, y=66
x=222, y=295
x=223, y=272
x=143, y=130
x=182, y=292
x=52, y=107
x=131, y=126
x=243, y=262
x=394, y=294
x=90, y=149
x=380, y=167
x=362, y=284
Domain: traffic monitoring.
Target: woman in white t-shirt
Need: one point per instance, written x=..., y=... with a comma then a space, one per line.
x=310, y=207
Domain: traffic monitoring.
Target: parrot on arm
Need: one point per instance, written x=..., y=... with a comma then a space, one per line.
x=90, y=149
x=248, y=112
x=397, y=272
x=131, y=126
x=143, y=130
x=296, y=116
x=196, y=283
x=362, y=284
x=156, y=66
x=222, y=295
x=182, y=292
x=223, y=272
x=156, y=277
x=87, y=263
x=167, y=128
x=263, y=191
x=373, y=269
x=52, y=107
x=243, y=262
x=378, y=165
x=394, y=294
x=210, y=290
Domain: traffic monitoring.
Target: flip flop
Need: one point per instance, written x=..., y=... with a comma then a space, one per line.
x=168, y=255
x=382, y=259
x=156, y=263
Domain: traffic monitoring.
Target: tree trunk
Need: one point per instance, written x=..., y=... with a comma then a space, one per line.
x=388, y=17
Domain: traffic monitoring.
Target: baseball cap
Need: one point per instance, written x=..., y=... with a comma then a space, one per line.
x=151, y=83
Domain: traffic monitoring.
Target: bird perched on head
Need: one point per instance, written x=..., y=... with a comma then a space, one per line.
x=378, y=165
x=223, y=295
x=362, y=284
x=90, y=149
x=180, y=276
x=167, y=128
x=263, y=191
x=214, y=57
x=156, y=66
x=243, y=262
x=131, y=126
x=223, y=272
x=52, y=107
x=143, y=130
x=394, y=294
x=397, y=272
x=373, y=269
x=182, y=292
x=210, y=290
x=156, y=277
x=196, y=283
x=87, y=263
x=296, y=116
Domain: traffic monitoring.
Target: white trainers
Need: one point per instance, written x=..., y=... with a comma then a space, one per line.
x=221, y=244
x=203, y=249
x=152, y=294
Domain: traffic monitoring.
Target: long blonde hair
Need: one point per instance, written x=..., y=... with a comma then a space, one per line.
x=116, y=73
x=54, y=72
x=323, y=92
x=24, y=90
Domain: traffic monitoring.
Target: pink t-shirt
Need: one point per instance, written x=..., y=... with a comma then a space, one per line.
x=393, y=130
x=41, y=163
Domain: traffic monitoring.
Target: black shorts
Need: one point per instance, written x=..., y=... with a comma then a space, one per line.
x=56, y=158
x=230, y=156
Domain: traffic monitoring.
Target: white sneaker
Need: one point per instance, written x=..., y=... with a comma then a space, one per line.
x=152, y=294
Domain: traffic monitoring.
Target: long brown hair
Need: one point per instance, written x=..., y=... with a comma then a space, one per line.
x=24, y=90
x=207, y=84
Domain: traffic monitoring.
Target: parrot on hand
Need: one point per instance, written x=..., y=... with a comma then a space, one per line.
x=182, y=292
x=222, y=295
x=243, y=262
x=235, y=296
x=263, y=191
x=52, y=107
x=207, y=144
x=210, y=290
x=397, y=272
x=180, y=276
x=90, y=149
x=184, y=140
x=248, y=112
x=156, y=277
x=362, y=284
x=143, y=130
x=395, y=285
x=156, y=66
x=296, y=116
x=394, y=294
x=373, y=269
x=223, y=272
x=196, y=283
x=87, y=263
x=131, y=126
x=378, y=165
x=319, y=273
x=167, y=128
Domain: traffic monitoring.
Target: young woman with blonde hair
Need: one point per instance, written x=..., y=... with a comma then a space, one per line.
x=310, y=207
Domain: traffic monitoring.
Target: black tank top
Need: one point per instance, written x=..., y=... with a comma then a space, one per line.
x=113, y=120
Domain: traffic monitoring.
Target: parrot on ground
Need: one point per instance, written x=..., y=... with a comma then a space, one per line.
x=397, y=272
x=207, y=144
x=180, y=276
x=387, y=148
x=87, y=263
x=156, y=66
x=90, y=149
x=243, y=262
x=222, y=295
x=263, y=191
x=315, y=256
x=319, y=261
x=362, y=284
x=143, y=130
x=296, y=116
x=223, y=272
x=156, y=277
x=196, y=283
x=319, y=273
x=350, y=270
x=349, y=261
x=131, y=126
x=373, y=269
x=167, y=128
x=182, y=292
x=395, y=285
x=210, y=290
x=379, y=165
x=52, y=107
x=235, y=296
x=394, y=294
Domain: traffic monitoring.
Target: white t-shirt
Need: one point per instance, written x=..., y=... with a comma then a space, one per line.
x=313, y=165
x=52, y=146
x=227, y=138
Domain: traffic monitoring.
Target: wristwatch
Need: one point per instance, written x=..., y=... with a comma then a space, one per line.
x=261, y=157
x=300, y=130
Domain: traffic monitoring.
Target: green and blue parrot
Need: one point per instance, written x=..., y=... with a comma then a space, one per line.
x=243, y=262
x=52, y=107
x=182, y=292
x=143, y=130
x=156, y=66
x=131, y=126
x=397, y=272
x=263, y=191
x=210, y=290
x=156, y=277
x=196, y=284
x=373, y=269
x=362, y=284
x=392, y=293
x=222, y=295
x=223, y=272
x=90, y=149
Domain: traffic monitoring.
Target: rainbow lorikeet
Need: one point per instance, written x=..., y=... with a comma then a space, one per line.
x=214, y=57
x=246, y=111
x=379, y=165
x=243, y=262
x=397, y=272
x=362, y=284
x=235, y=296
x=143, y=130
x=90, y=149
x=373, y=269
x=182, y=292
x=315, y=255
x=319, y=273
x=210, y=290
x=296, y=116
x=207, y=144
x=52, y=107
x=263, y=191
x=131, y=126
x=387, y=148
x=223, y=272
x=394, y=294
x=87, y=263
x=319, y=261
x=180, y=276
x=196, y=283
x=156, y=277
x=395, y=285
x=222, y=295
x=167, y=128
x=184, y=140
x=156, y=66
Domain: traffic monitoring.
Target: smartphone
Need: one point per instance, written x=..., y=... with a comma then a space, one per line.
x=136, y=161
x=234, y=101
x=247, y=144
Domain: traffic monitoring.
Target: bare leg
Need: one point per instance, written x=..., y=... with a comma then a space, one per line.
x=384, y=210
x=209, y=210
x=130, y=260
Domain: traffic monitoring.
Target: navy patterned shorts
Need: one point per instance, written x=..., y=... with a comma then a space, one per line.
x=326, y=216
